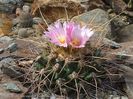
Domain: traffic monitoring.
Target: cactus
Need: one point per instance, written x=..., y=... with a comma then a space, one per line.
x=66, y=74
x=67, y=67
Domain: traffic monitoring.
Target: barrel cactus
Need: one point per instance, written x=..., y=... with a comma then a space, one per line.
x=68, y=66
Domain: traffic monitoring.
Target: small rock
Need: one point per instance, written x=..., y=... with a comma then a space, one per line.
x=1, y=50
x=44, y=95
x=22, y=33
x=37, y=20
x=117, y=97
x=111, y=43
x=26, y=48
x=5, y=94
x=10, y=1
x=125, y=34
x=25, y=20
x=12, y=87
x=9, y=67
x=25, y=32
x=5, y=39
x=26, y=8
x=6, y=61
x=12, y=47
x=52, y=96
x=119, y=21
x=10, y=5
x=118, y=6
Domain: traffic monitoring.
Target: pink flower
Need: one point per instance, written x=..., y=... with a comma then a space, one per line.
x=68, y=33
x=77, y=36
x=57, y=34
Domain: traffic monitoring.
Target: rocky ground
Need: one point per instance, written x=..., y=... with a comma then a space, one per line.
x=22, y=23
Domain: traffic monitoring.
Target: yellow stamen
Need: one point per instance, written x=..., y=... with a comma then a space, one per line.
x=61, y=39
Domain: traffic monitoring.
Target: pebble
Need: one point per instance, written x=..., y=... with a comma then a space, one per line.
x=1, y=50
x=12, y=47
x=22, y=33
x=111, y=43
x=25, y=20
x=25, y=32
x=12, y=87
x=37, y=20
x=26, y=8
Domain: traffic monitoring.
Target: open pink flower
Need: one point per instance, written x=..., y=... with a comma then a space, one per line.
x=57, y=34
x=77, y=36
x=68, y=33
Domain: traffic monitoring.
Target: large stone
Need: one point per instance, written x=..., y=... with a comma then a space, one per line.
x=97, y=19
x=99, y=22
x=125, y=34
x=29, y=48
